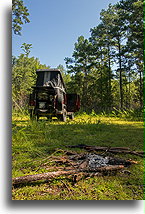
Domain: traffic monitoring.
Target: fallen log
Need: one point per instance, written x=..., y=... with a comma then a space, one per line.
x=110, y=149
x=102, y=148
x=106, y=148
x=132, y=161
x=110, y=168
x=126, y=152
x=140, y=152
x=42, y=176
x=50, y=175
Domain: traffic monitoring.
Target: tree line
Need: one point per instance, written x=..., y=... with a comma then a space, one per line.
x=106, y=69
x=24, y=76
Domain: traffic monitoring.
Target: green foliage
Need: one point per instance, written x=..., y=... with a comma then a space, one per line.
x=35, y=143
x=26, y=48
x=24, y=77
x=81, y=65
x=107, y=69
x=66, y=77
x=132, y=114
x=19, y=16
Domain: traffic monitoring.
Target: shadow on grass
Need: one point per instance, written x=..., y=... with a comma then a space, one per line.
x=38, y=140
x=48, y=136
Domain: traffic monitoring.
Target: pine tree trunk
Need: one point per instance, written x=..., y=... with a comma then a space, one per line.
x=129, y=81
x=85, y=86
x=109, y=80
x=141, y=89
x=120, y=75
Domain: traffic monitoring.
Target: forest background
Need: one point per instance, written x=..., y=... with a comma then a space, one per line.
x=106, y=69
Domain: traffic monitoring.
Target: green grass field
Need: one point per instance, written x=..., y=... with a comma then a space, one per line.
x=34, y=143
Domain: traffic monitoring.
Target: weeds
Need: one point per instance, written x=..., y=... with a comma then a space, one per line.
x=132, y=114
x=34, y=143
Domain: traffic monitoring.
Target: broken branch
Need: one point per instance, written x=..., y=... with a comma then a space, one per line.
x=50, y=175
x=109, y=149
x=42, y=176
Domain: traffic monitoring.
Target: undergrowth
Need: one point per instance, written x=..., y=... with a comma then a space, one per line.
x=35, y=142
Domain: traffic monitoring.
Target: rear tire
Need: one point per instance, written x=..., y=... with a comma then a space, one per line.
x=59, y=102
x=49, y=117
x=71, y=116
x=62, y=117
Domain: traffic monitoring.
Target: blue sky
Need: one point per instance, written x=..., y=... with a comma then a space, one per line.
x=55, y=26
